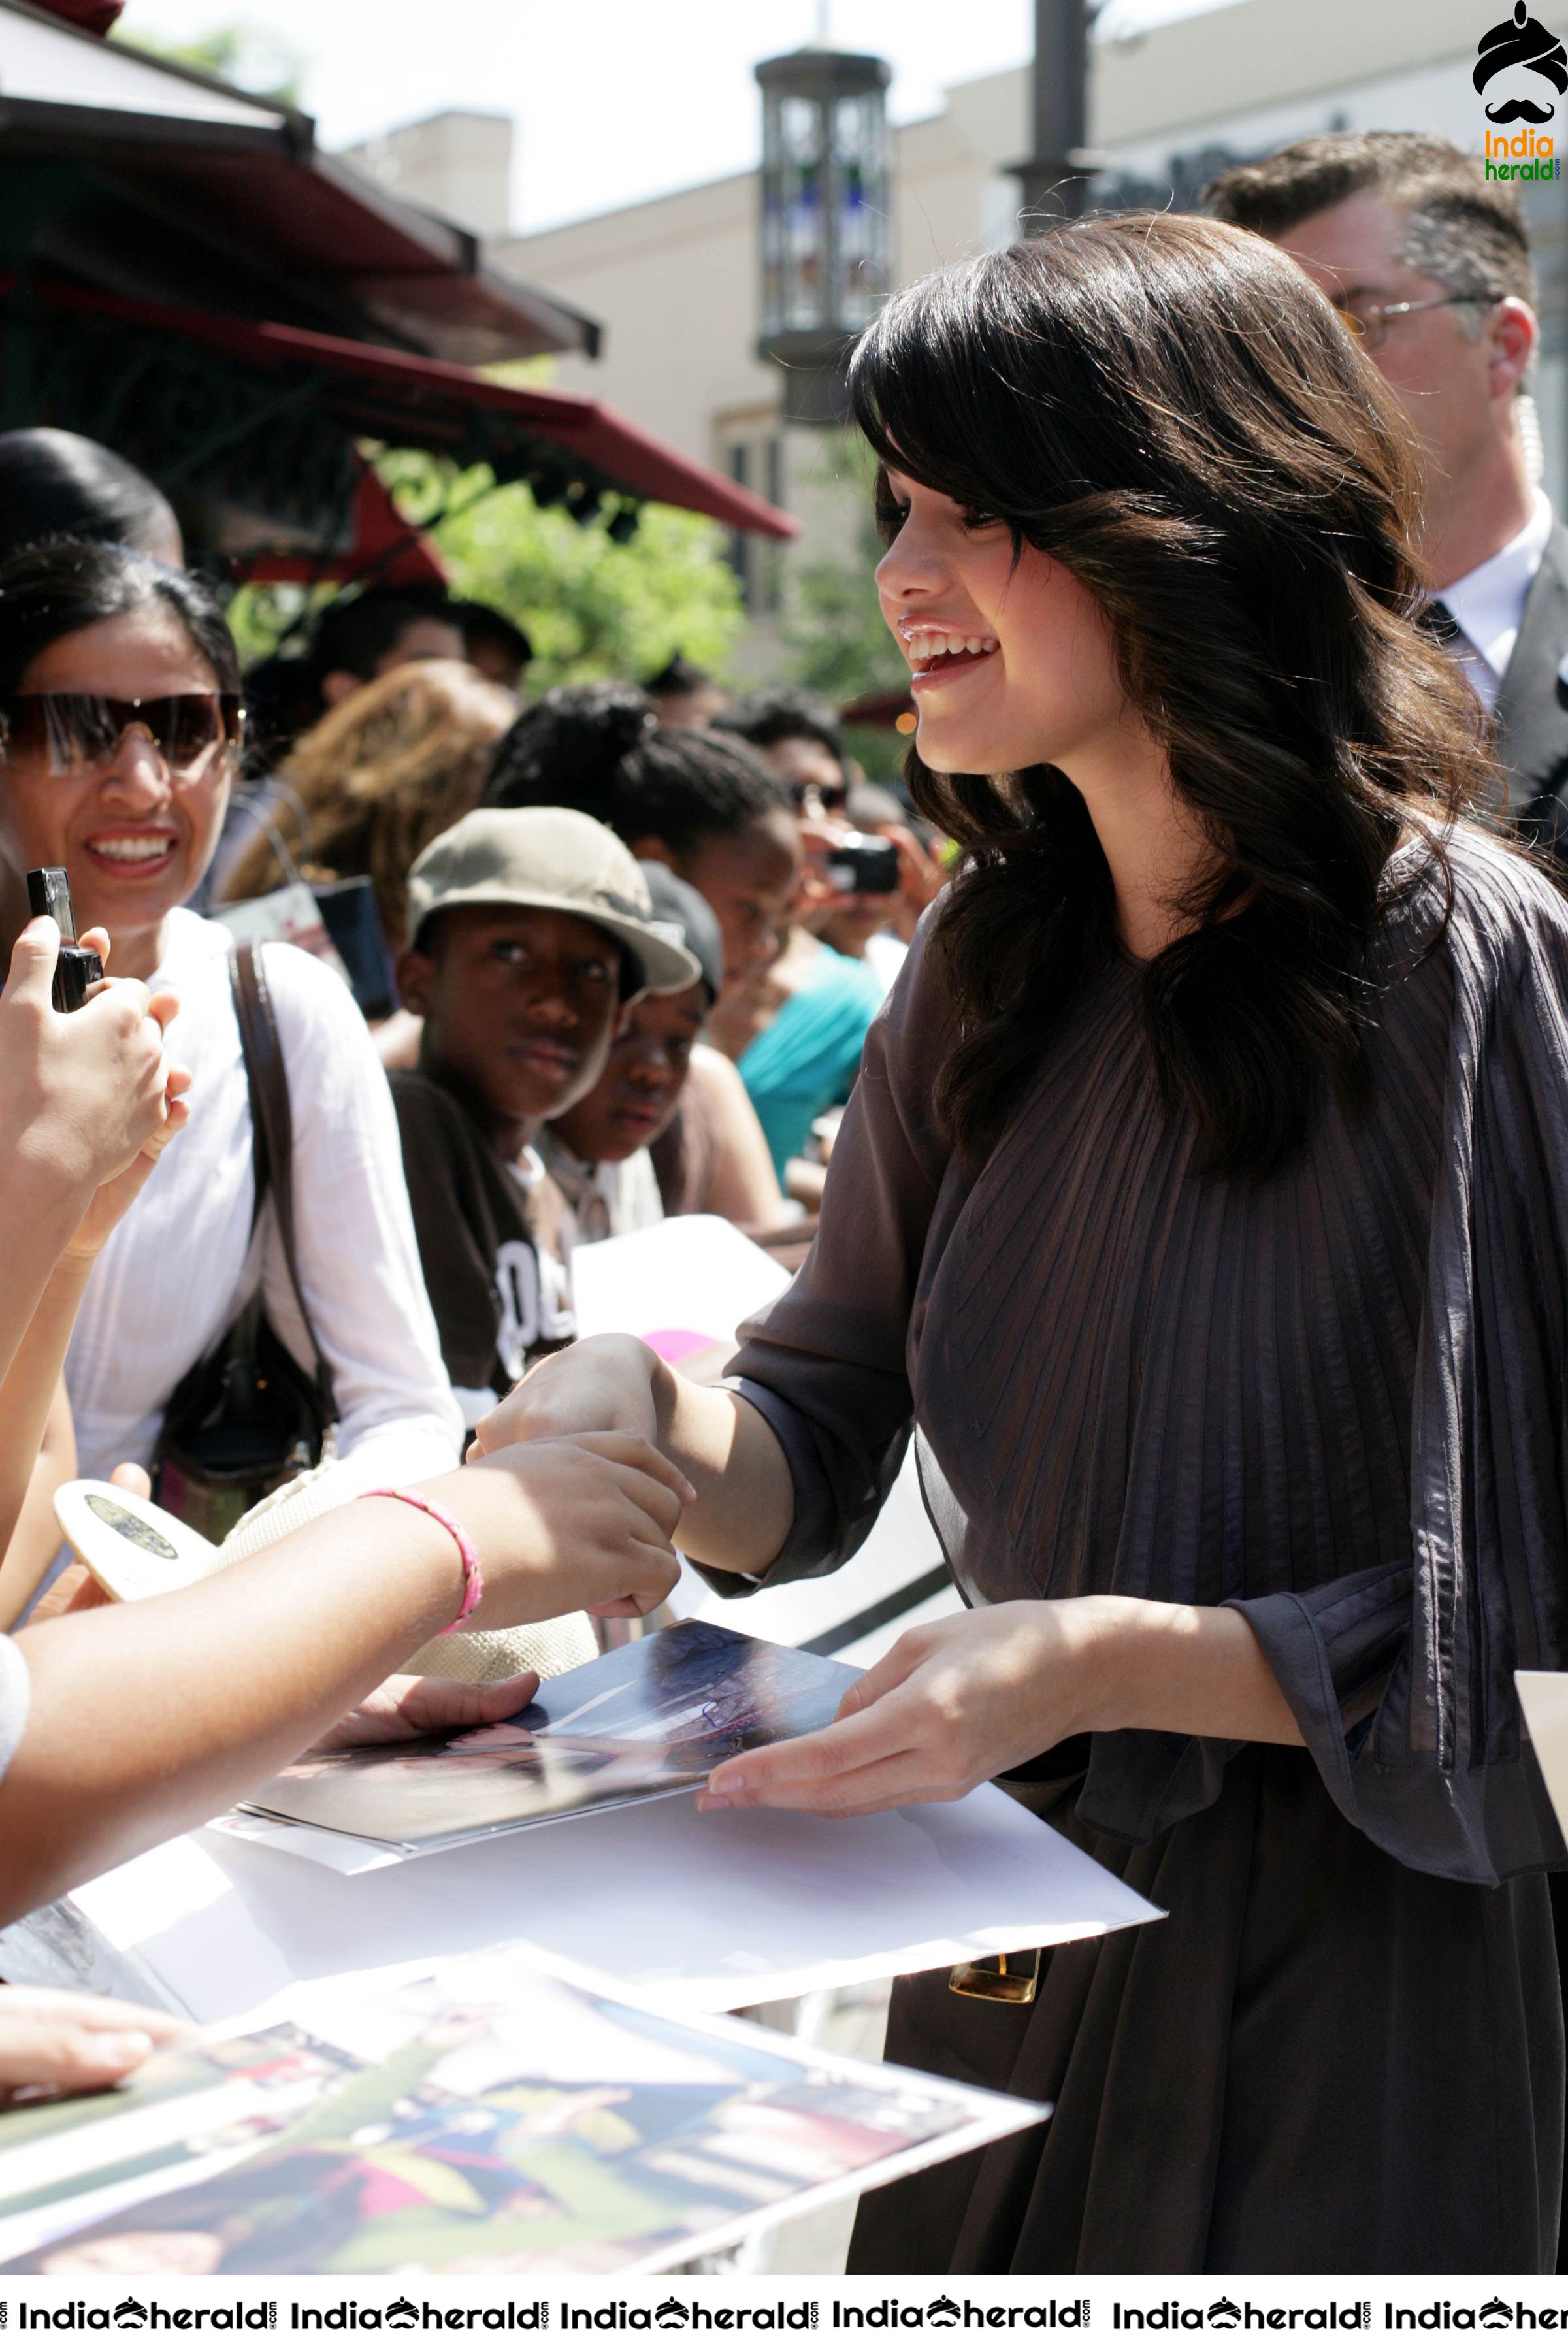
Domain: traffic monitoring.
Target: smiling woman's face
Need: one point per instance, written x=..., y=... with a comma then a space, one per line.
x=134, y=836
x=1011, y=662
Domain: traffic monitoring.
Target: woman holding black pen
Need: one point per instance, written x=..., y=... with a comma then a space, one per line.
x=1202, y=1207
x=122, y=725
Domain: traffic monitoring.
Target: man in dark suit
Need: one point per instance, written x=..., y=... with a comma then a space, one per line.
x=1429, y=260
x=1532, y=705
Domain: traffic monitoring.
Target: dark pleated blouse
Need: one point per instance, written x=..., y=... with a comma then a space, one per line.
x=1336, y=1401
x=1333, y=1400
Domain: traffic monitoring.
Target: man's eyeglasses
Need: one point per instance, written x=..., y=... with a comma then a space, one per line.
x=1368, y=321
x=77, y=732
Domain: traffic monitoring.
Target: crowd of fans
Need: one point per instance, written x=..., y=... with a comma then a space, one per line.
x=1202, y=1205
x=1201, y=1202
x=569, y=930
x=595, y=941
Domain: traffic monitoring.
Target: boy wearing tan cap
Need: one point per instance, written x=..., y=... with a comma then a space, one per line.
x=529, y=931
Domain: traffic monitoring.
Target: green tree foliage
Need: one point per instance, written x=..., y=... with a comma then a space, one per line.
x=837, y=641
x=249, y=56
x=839, y=646
x=594, y=608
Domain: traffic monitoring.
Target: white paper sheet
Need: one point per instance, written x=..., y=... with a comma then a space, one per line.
x=1544, y=1698
x=710, y=1911
x=686, y=1283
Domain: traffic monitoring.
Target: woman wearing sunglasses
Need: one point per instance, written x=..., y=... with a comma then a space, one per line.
x=120, y=724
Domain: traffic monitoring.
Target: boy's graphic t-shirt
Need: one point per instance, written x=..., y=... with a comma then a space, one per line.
x=495, y=1239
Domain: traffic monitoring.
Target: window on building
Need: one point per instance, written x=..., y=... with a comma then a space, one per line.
x=752, y=456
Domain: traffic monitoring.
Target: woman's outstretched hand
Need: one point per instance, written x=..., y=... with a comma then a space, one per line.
x=971, y=1698
x=74, y=2041
x=952, y=1705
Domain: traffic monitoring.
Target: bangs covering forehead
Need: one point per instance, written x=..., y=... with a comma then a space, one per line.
x=1168, y=407
x=911, y=395
x=985, y=383
x=1177, y=369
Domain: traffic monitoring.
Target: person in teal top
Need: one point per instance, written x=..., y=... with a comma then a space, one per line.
x=808, y=1055
x=808, y=1058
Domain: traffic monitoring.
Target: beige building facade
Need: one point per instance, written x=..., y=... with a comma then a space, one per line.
x=675, y=281
x=456, y=162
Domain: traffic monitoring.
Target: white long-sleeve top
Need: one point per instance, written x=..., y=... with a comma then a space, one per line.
x=177, y=1269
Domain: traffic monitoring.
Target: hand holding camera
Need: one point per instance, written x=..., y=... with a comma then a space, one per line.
x=863, y=866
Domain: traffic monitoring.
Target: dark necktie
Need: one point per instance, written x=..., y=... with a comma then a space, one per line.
x=1437, y=621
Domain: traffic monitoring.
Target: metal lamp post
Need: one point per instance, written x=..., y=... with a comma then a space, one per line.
x=1054, y=180
x=827, y=228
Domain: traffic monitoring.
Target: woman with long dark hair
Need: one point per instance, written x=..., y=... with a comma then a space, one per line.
x=1204, y=1207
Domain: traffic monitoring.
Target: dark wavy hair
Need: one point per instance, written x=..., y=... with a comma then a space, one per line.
x=776, y=713
x=55, y=485
x=52, y=591
x=599, y=748
x=1168, y=407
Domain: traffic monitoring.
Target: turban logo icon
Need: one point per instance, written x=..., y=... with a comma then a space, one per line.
x=1522, y=44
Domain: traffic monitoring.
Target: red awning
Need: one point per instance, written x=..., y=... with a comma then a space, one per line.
x=92, y=16
x=191, y=191
x=411, y=402
x=385, y=550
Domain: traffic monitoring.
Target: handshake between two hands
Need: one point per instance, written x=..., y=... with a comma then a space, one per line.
x=952, y=1705
x=589, y=1498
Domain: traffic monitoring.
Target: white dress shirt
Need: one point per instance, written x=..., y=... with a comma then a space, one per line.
x=180, y=1264
x=607, y=1197
x=1487, y=605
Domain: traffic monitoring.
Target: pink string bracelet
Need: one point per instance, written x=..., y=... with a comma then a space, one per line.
x=473, y=1580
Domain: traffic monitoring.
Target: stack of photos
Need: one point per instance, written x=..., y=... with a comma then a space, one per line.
x=494, y=2114
x=640, y=1722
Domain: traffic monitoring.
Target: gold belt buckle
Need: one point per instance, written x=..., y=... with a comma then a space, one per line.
x=994, y=1980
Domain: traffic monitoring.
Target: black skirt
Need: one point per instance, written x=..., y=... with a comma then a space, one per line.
x=1320, y=2061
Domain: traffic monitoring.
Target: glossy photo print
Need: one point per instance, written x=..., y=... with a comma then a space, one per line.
x=639, y=1722
x=487, y=2117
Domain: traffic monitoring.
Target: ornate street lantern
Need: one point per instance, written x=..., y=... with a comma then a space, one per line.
x=826, y=224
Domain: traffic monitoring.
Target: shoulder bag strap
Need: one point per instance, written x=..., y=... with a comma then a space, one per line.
x=271, y=1119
